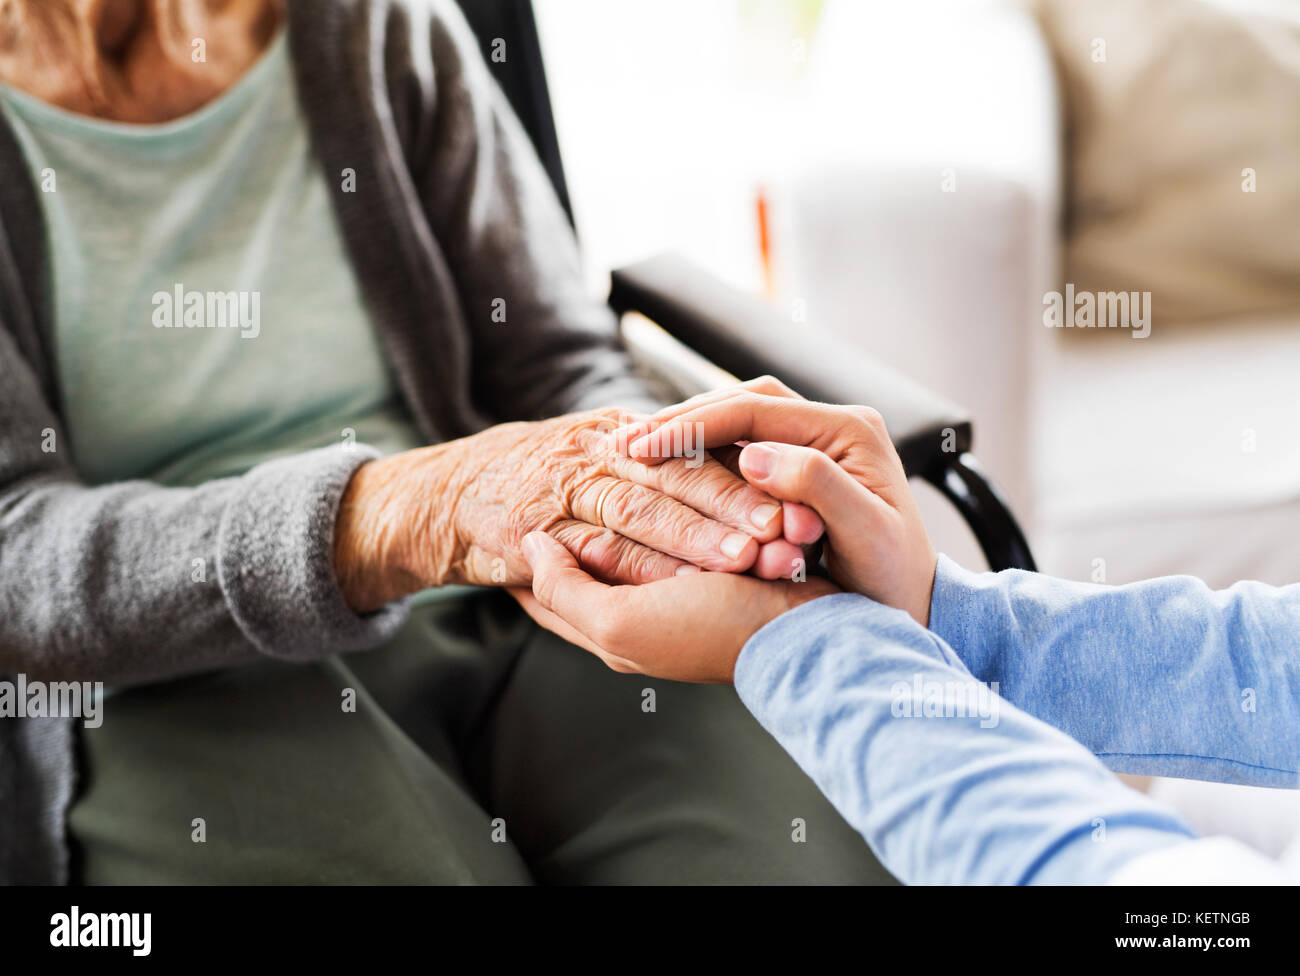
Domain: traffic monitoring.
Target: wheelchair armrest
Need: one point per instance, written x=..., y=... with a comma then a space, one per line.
x=746, y=336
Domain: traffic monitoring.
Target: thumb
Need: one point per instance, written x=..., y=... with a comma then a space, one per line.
x=794, y=473
x=559, y=583
x=545, y=554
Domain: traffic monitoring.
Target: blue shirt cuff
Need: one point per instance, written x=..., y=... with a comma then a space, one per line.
x=794, y=631
x=958, y=618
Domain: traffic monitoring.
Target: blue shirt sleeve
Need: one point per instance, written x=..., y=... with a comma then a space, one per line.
x=947, y=782
x=1164, y=677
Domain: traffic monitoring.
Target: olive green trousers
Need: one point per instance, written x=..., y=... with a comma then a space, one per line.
x=474, y=748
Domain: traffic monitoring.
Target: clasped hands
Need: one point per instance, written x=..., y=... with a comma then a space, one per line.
x=837, y=461
x=658, y=563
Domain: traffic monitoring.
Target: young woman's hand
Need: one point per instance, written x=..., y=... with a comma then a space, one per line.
x=688, y=628
x=837, y=460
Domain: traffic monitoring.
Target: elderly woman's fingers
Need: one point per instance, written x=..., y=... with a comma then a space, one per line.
x=661, y=522
x=711, y=490
x=616, y=558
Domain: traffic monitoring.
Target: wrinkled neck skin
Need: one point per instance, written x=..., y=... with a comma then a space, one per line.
x=143, y=61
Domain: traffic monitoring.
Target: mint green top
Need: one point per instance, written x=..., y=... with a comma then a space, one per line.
x=226, y=200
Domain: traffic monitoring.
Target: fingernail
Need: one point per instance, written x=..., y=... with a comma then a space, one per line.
x=687, y=570
x=758, y=460
x=734, y=544
x=532, y=548
x=764, y=514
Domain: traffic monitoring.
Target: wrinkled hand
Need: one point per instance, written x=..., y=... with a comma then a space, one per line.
x=458, y=512
x=838, y=460
x=689, y=628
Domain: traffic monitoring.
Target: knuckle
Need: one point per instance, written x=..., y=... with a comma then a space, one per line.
x=639, y=563
x=690, y=531
x=656, y=510
x=871, y=417
x=769, y=384
x=672, y=477
x=810, y=466
x=730, y=494
x=571, y=487
x=596, y=548
x=520, y=521
x=622, y=503
x=604, y=417
x=679, y=476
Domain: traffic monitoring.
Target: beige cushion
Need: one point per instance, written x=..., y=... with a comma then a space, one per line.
x=1190, y=94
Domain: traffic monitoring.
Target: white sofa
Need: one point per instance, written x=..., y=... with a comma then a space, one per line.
x=920, y=215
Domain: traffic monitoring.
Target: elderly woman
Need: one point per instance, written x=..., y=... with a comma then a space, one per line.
x=269, y=276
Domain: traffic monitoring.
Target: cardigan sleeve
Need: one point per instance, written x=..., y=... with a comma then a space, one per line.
x=132, y=581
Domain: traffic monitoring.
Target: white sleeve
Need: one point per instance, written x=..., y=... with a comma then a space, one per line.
x=1208, y=861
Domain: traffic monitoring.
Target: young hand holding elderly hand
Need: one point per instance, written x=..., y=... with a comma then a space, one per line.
x=837, y=460
x=458, y=512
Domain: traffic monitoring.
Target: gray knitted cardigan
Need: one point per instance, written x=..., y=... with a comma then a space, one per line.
x=451, y=212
